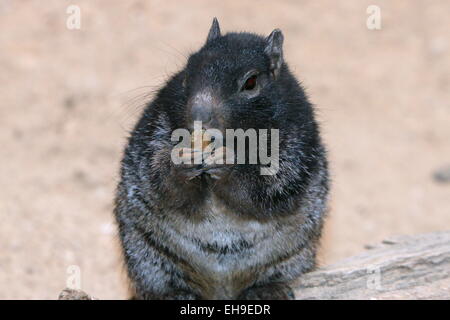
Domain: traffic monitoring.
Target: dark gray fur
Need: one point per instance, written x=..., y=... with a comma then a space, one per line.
x=228, y=232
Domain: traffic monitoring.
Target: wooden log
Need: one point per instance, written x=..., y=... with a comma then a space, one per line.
x=401, y=267
x=73, y=294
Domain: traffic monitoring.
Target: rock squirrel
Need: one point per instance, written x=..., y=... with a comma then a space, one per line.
x=225, y=231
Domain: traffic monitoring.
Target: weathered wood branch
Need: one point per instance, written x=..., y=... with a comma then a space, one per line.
x=403, y=267
x=72, y=294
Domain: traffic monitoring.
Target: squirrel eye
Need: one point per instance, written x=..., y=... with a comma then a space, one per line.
x=250, y=83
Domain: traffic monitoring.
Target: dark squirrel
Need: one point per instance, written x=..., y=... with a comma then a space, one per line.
x=223, y=231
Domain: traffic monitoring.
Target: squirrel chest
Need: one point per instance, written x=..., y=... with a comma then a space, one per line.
x=223, y=253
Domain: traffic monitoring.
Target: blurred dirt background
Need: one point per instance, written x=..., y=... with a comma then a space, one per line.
x=69, y=97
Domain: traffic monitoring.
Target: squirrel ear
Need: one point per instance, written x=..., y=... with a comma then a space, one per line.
x=274, y=49
x=214, y=31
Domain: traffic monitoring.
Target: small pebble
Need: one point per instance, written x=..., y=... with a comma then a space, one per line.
x=442, y=175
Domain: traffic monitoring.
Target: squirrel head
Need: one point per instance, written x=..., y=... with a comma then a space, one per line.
x=236, y=80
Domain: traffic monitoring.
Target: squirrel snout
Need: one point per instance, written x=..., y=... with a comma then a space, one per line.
x=201, y=107
x=202, y=112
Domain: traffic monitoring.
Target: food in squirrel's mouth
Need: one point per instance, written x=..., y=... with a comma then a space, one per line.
x=201, y=139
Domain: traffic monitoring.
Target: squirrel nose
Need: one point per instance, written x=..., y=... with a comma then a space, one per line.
x=202, y=112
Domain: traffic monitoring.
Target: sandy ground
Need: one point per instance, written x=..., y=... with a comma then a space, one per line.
x=69, y=97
